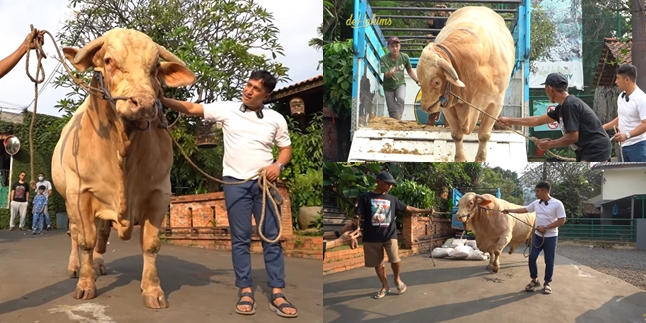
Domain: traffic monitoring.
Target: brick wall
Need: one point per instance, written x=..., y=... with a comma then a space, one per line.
x=420, y=235
x=201, y=220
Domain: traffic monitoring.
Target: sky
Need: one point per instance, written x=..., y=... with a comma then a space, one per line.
x=512, y=166
x=297, y=21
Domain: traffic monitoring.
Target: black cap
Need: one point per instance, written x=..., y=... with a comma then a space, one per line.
x=386, y=177
x=556, y=80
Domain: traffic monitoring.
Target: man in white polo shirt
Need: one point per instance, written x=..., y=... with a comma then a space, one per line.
x=631, y=116
x=250, y=132
x=550, y=214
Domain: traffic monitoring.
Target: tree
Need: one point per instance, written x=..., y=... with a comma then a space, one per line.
x=213, y=37
x=638, y=50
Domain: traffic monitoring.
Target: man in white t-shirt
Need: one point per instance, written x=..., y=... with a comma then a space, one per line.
x=550, y=214
x=631, y=116
x=48, y=192
x=250, y=131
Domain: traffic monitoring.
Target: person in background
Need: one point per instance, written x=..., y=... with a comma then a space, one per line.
x=19, y=196
x=393, y=65
x=9, y=62
x=48, y=192
x=631, y=116
x=550, y=214
x=38, y=208
x=437, y=21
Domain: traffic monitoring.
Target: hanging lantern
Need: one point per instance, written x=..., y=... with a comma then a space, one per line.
x=297, y=107
x=206, y=134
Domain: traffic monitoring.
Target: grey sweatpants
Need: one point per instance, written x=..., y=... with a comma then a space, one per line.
x=18, y=208
x=395, y=102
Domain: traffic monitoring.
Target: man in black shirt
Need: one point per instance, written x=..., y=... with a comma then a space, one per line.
x=378, y=209
x=582, y=130
x=19, y=196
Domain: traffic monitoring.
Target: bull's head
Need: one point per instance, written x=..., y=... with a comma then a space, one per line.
x=434, y=72
x=130, y=64
x=468, y=205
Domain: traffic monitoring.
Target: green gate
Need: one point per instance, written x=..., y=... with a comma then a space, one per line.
x=606, y=229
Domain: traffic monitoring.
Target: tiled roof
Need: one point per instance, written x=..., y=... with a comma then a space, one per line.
x=589, y=208
x=619, y=165
x=295, y=88
x=613, y=48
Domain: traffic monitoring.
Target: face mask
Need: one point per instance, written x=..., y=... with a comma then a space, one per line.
x=40, y=178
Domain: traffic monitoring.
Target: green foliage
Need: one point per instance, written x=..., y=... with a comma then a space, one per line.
x=504, y=179
x=414, y=194
x=543, y=36
x=348, y=181
x=337, y=77
x=438, y=176
x=44, y=143
x=221, y=54
x=303, y=175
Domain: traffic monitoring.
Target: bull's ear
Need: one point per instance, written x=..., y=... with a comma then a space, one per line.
x=484, y=202
x=175, y=75
x=84, y=64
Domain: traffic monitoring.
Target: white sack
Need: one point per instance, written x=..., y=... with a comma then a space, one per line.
x=447, y=243
x=458, y=243
x=472, y=244
x=477, y=255
x=441, y=252
x=460, y=252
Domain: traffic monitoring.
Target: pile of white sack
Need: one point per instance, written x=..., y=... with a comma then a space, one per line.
x=460, y=249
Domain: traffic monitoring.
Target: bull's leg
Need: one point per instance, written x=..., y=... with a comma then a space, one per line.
x=492, y=258
x=152, y=293
x=103, y=231
x=457, y=136
x=73, y=266
x=484, y=134
x=85, y=230
x=502, y=243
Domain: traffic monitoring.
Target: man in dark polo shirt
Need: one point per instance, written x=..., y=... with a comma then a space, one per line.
x=582, y=130
x=378, y=209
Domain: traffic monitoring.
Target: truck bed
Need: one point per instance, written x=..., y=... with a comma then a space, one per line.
x=432, y=146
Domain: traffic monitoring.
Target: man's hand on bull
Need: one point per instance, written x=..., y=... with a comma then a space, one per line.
x=272, y=171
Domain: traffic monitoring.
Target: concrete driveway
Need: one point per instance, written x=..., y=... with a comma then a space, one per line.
x=462, y=291
x=199, y=284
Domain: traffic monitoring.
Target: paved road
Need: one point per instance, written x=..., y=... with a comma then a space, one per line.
x=462, y=291
x=199, y=284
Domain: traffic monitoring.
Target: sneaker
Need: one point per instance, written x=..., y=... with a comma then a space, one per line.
x=12, y=228
x=33, y=233
x=49, y=228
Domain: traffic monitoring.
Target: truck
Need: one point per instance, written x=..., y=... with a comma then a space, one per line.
x=458, y=226
x=432, y=144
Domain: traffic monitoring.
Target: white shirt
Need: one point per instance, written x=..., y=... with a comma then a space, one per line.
x=631, y=114
x=248, y=140
x=547, y=214
x=47, y=184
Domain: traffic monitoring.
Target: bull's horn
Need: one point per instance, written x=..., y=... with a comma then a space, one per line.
x=90, y=47
x=168, y=56
x=449, y=69
x=478, y=196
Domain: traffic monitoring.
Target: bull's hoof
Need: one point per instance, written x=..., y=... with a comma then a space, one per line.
x=85, y=290
x=495, y=270
x=155, y=299
x=73, y=271
x=99, y=267
x=489, y=268
x=460, y=159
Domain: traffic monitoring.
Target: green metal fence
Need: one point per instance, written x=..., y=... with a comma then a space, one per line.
x=605, y=229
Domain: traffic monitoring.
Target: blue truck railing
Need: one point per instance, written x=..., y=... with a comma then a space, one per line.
x=369, y=43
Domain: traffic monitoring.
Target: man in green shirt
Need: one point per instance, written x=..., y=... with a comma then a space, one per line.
x=393, y=65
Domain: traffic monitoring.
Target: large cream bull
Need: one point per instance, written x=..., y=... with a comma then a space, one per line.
x=493, y=229
x=473, y=57
x=113, y=159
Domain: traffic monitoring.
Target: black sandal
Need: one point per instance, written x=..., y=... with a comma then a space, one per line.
x=241, y=302
x=279, y=309
x=533, y=284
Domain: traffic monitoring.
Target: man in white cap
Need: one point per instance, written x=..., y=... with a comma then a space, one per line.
x=393, y=65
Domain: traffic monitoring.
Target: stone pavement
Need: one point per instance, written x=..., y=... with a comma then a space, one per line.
x=463, y=291
x=199, y=284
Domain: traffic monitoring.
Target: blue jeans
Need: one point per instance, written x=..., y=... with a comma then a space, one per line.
x=37, y=222
x=549, y=252
x=634, y=153
x=48, y=220
x=241, y=201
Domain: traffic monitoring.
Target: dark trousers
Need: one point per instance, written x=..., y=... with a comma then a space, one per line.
x=549, y=252
x=242, y=200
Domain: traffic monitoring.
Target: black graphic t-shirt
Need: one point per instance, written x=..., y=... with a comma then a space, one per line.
x=379, y=214
x=575, y=115
x=20, y=191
